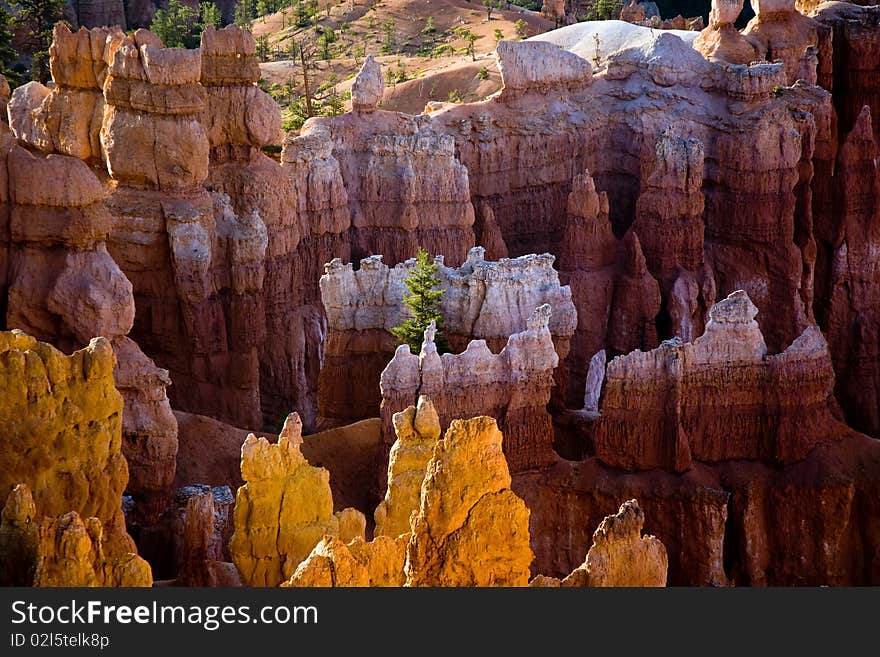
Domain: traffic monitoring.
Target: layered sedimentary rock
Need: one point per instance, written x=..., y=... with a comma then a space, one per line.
x=198, y=525
x=776, y=397
x=470, y=529
x=512, y=386
x=780, y=32
x=620, y=555
x=64, y=287
x=669, y=225
x=850, y=305
x=483, y=300
x=62, y=419
x=95, y=13
x=524, y=165
x=853, y=75
x=721, y=42
x=417, y=429
x=67, y=119
x=405, y=185
x=616, y=297
x=770, y=447
x=284, y=508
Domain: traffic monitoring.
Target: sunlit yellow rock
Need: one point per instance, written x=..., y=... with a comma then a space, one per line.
x=471, y=529
x=62, y=432
x=283, y=510
x=417, y=429
x=359, y=563
x=620, y=555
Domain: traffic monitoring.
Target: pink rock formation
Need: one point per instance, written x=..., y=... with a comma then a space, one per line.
x=198, y=526
x=483, y=300
x=65, y=288
x=780, y=32
x=67, y=119
x=669, y=225
x=513, y=386
x=852, y=74
x=721, y=42
x=617, y=299
x=769, y=399
x=850, y=312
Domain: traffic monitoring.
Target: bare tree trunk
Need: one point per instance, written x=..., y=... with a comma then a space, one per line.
x=306, y=89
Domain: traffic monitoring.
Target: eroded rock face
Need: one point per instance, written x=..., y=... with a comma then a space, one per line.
x=63, y=433
x=620, y=555
x=283, y=510
x=65, y=288
x=767, y=398
x=237, y=112
x=617, y=299
x=199, y=529
x=850, y=308
x=483, y=300
x=721, y=42
x=67, y=119
x=852, y=75
x=417, y=429
x=366, y=92
x=471, y=529
x=335, y=563
x=780, y=32
x=19, y=537
x=72, y=553
x=513, y=386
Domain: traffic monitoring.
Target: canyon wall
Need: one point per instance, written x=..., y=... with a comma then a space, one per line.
x=62, y=445
x=512, y=386
x=483, y=300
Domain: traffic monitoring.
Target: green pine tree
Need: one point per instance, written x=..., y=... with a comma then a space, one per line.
x=245, y=13
x=178, y=26
x=38, y=18
x=423, y=301
x=209, y=15
x=8, y=55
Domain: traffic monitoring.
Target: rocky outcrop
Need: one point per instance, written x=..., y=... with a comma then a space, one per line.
x=721, y=42
x=237, y=112
x=483, y=300
x=780, y=32
x=617, y=299
x=670, y=228
x=404, y=183
x=196, y=529
x=849, y=304
x=19, y=537
x=470, y=529
x=97, y=13
x=71, y=552
x=67, y=119
x=852, y=74
x=620, y=555
x=284, y=508
x=512, y=386
x=333, y=563
x=62, y=419
x=417, y=429
x=767, y=398
x=65, y=288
